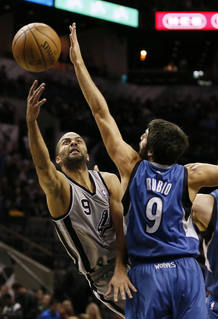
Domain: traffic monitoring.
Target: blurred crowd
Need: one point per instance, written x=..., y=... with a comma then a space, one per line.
x=21, y=198
x=21, y=303
x=20, y=191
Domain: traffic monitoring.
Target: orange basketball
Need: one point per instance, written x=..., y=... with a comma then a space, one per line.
x=36, y=47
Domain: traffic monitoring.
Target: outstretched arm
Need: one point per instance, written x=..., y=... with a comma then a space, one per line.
x=120, y=152
x=120, y=283
x=52, y=182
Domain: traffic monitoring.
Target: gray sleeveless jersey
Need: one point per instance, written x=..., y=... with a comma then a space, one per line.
x=88, y=236
x=86, y=230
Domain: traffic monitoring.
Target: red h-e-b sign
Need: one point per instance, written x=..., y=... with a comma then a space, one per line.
x=186, y=20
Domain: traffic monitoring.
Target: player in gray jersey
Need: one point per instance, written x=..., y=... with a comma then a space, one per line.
x=86, y=209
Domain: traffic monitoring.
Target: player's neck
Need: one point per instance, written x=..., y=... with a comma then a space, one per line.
x=160, y=165
x=80, y=176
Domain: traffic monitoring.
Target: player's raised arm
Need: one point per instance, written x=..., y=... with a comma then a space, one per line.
x=50, y=179
x=201, y=175
x=120, y=284
x=119, y=151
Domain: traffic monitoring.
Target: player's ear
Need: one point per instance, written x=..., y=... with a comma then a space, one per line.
x=58, y=160
x=149, y=154
x=87, y=158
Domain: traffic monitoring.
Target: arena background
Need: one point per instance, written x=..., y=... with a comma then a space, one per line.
x=177, y=81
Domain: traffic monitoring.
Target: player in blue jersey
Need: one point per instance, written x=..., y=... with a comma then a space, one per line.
x=161, y=240
x=205, y=216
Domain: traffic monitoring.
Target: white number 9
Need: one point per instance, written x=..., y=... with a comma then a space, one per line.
x=154, y=214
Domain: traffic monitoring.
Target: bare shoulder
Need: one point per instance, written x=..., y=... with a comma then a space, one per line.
x=202, y=174
x=195, y=169
x=128, y=162
x=110, y=178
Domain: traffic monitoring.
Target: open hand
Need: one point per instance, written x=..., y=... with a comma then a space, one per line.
x=33, y=101
x=120, y=284
x=75, y=54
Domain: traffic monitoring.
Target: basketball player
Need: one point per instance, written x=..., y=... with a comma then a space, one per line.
x=161, y=239
x=205, y=216
x=85, y=206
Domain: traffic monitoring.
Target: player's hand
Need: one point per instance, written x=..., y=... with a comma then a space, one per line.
x=75, y=53
x=33, y=101
x=120, y=285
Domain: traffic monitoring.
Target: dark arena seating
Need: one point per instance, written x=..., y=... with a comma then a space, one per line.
x=28, y=242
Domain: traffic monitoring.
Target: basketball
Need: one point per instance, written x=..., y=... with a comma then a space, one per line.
x=36, y=47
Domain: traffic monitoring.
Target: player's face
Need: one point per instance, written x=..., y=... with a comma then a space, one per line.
x=143, y=144
x=72, y=150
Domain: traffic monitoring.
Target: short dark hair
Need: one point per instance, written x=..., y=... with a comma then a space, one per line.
x=167, y=141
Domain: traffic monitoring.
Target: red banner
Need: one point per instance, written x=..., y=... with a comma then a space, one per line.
x=186, y=20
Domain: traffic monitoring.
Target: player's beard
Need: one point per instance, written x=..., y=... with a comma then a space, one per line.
x=143, y=152
x=74, y=163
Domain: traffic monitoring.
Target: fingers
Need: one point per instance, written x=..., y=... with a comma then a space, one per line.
x=34, y=98
x=130, y=285
x=33, y=87
x=128, y=292
x=35, y=94
x=116, y=290
x=72, y=32
x=123, y=293
x=122, y=289
x=40, y=103
x=109, y=291
x=71, y=35
x=73, y=27
x=38, y=92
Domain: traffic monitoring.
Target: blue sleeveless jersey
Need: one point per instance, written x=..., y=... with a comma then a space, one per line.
x=159, y=214
x=210, y=245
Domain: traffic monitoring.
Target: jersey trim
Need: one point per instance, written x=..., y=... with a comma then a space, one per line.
x=101, y=177
x=126, y=196
x=69, y=208
x=187, y=204
x=66, y=246
x=77, y=243
x=85, y=189
x=212, y=224
x=100, y=296
x=159, y=259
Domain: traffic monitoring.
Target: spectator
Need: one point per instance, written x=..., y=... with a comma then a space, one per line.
x=11, y=310
x=27, y=300
x=68, y=310
x=4, y=290
x=45, y=302
x=93, y=311
x=39, y=293
x=52, y=312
